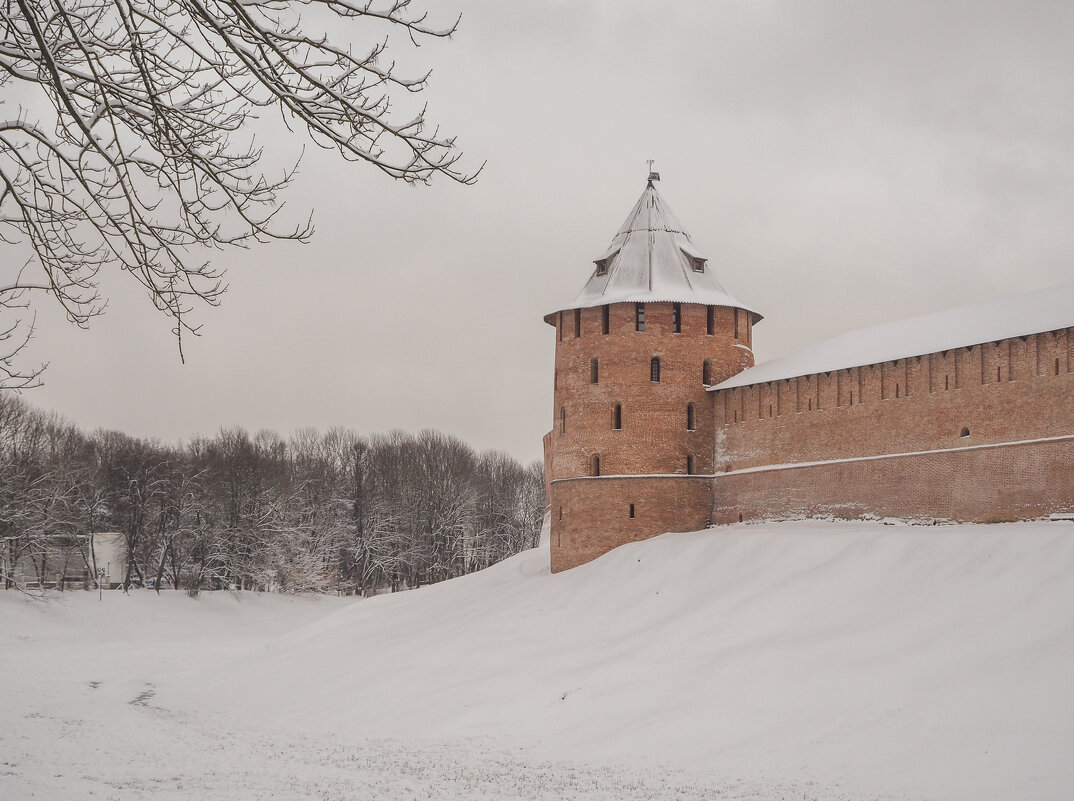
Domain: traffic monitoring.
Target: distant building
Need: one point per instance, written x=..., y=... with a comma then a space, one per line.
x=64, y=561
x=663, y=423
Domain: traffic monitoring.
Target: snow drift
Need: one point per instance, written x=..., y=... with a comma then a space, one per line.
x=934, y=661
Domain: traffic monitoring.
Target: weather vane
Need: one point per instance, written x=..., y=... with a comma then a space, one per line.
x=653, y=176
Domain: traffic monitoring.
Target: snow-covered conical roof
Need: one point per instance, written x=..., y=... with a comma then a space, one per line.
x=653, y=259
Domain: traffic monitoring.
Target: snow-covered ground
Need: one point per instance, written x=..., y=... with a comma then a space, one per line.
x=806, y=660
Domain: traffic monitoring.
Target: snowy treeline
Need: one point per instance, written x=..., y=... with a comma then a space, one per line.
x=329, y=512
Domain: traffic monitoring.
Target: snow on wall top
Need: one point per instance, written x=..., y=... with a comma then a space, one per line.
x=1003, y=318
x=652, y=259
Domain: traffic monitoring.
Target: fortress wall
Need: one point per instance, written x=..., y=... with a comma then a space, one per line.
x=1000, y=392
x=590, y=516
x=986, y=484
x=914, y=404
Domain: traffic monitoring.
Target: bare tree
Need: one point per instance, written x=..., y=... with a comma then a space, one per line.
x=139, y=150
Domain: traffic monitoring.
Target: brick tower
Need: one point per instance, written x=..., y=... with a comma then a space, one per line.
x=632, y=447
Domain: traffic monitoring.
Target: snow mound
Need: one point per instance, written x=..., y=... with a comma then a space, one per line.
x=934, y=661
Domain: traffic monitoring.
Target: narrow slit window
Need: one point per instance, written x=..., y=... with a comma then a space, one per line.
x=690, y=465
x=631, y=511
x=605, y=319
x=577, y=323
x=706, y=372
x=736, y=324
x=639, y=316
x=562, y=419
x=654, y=369
x=594, y=371
x=710, y=320
x=676, y=318
x=617, y=417
x=561, y=326
x=596, y=465
x=689, y=417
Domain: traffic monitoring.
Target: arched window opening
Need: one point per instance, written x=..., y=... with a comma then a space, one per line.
x=706, y=372
x=710, y=320
x=596, y=465
x=654, y=369
x=605, y=319
x=689, y=417
x=690, y=465
x=965, y=432
x=617, y=417
x=577, y=323
x=676, y=318
x=594, y=370
x=639, y=316
x=631, y=511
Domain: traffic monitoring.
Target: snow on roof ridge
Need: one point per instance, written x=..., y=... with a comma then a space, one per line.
x=651, y=259
x=1000, y=318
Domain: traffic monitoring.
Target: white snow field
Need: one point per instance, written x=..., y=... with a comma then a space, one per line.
x=797, y=660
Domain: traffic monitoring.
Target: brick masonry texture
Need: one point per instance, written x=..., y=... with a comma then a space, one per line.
x=654, y=437
x=590, y=516
x=987, y=485
x=994, y=393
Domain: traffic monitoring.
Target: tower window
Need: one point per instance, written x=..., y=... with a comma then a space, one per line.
x=596, y=465
x=706, y=372
x=617, y=417
x=555, y=380
x=710, y=321
x=639, y=316
x=676, y=318
x=689, y=417
x=736, y=323
x=631, y=511
x=965, y=432
x=594, y=370
x=577, y=322
x=602, y=267
x=697, y=264
x=605, y=319
x=654, y=368
x=562, y=419
x=690, y=465
x=561, y=326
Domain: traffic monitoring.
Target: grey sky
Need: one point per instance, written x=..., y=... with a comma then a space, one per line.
x=841, y=163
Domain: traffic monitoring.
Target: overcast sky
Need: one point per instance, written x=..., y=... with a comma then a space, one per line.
x=842, y=164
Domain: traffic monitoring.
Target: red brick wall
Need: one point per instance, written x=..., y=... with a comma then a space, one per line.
x=654, y=438
x=983, y=484
x=1000, y=392
x=590, y=516
x=914, y=404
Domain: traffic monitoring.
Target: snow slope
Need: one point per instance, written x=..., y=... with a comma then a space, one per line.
x=792, y=660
